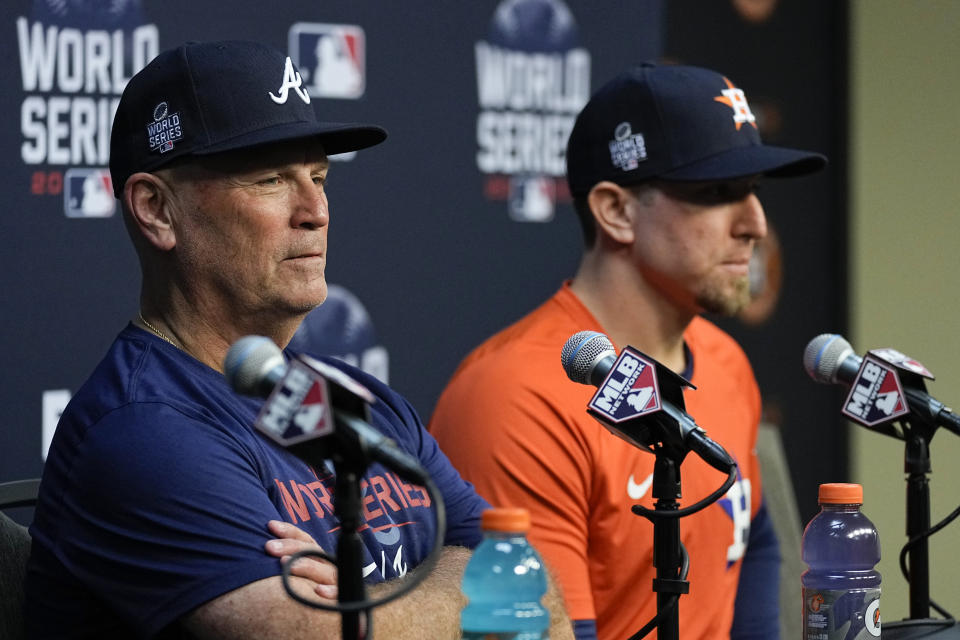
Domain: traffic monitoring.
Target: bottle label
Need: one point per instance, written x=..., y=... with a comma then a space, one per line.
x=845, y=614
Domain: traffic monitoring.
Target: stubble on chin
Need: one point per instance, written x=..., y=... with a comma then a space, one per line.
x=315, y=301
x=725, y=298
x=302, y=299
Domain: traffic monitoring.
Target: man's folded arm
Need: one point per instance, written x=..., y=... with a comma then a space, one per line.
x=263, y=609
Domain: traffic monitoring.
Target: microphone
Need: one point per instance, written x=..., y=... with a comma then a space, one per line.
x=628, y=400
x=830, y=359
x=314, y=410
x=254, y=365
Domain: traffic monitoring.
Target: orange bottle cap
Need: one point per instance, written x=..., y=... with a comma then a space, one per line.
x=840, y=493
x=506, y=519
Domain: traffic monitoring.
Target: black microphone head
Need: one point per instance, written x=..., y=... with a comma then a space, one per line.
x=583, y=352
x=254, y=364
x=824, y=356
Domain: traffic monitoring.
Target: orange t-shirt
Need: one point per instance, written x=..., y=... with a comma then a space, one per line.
x=517, y=428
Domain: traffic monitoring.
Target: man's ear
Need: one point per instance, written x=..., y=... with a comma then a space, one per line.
x=149, y=201
x=608, y=202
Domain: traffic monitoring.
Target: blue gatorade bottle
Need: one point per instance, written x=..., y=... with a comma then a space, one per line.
x=841, y=588
x=504, y=582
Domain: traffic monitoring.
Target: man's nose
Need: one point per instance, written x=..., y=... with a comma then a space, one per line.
x=311, y=207
x=751, y=222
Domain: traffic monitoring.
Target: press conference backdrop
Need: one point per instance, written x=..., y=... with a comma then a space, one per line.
x=458, y=224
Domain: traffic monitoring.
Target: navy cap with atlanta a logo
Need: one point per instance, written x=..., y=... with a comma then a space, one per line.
x=207, y=97
x=674, y=123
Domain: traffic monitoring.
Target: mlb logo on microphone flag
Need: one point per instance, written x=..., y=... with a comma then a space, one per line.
x=876, y=395
x=298, y=407
x=629, y=391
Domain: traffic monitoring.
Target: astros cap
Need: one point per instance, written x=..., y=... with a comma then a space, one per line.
x=675, y=123
x=207, y=97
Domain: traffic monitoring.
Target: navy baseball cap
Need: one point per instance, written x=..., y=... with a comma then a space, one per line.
x=675, y=123
x=207, y=97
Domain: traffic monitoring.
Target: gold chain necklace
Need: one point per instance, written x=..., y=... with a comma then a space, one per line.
x=155, y=330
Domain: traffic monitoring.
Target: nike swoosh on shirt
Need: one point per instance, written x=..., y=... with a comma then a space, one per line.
x=637, y=491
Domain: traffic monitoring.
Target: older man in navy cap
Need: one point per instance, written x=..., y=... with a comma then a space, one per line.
x=159, y=499
x=663, y=163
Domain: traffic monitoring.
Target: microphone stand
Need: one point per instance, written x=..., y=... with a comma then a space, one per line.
x=918, y=429
x=669, y=585
x=350, y=463
x=347, y=504
x=917, y=465
x=666, y=548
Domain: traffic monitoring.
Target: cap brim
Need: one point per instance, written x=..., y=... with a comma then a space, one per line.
x=747, y=161
x=335, y=137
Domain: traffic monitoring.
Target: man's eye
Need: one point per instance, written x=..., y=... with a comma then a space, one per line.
x=728, y=192
x=271, y=180
x=719, y=191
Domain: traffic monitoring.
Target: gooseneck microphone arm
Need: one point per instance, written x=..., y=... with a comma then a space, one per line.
x=931, y=411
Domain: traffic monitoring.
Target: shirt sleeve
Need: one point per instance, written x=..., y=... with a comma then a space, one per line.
x=165, y=516
x=585, y=629
x=463, y=505
x=756, y=613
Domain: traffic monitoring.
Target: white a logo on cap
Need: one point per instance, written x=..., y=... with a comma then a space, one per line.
x=291, y=80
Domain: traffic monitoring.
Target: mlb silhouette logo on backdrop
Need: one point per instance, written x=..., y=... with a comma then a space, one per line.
x=331, y=58
x=88, y=193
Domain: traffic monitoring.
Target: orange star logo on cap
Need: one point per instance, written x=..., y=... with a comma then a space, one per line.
x=734, y=98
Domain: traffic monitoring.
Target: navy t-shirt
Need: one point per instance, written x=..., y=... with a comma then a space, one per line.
x=157, y=491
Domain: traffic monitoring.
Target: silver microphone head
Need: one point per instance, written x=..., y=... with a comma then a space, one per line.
x=582, y=352
x=824, y=355
x=252, y=363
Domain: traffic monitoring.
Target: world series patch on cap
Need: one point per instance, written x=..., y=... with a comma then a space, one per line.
x=673, y=122
x=208, y=97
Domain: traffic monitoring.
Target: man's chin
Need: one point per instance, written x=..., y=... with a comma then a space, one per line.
x=308, y=298
x=307, y=307
x=727, y=302
x=304, y=304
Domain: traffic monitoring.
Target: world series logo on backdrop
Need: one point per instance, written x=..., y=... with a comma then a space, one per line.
x=532, y=80
x=75, y=59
